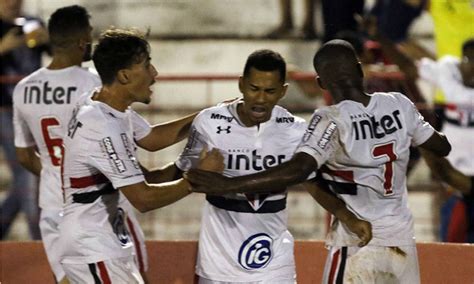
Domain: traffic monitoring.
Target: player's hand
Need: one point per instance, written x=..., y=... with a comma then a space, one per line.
x=361, y=228
x=207, y=182
x=211, y=161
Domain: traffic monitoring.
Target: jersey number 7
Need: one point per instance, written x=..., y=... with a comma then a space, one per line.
x=386, y=150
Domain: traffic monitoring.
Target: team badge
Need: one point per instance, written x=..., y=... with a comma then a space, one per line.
x=256, y=252
x=120, y=228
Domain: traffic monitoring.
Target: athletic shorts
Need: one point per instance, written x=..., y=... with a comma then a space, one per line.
x=372, y=264
x=272, y=281
x=49, y=226
x=118, y=270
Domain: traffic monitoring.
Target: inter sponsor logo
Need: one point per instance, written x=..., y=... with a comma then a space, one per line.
x=110, y=149
x=256, y=252
x=247, y=160
x=326, y=137
x=220, y=116
x=45, y=94
x=285, y=119
x=372, y=128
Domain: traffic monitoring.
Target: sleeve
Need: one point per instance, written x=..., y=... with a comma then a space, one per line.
x=321, y=138
x=428, y=70
x=197, y=140
x=418, y=128
x=141, y=127
x=114, y=156
x=23, y=136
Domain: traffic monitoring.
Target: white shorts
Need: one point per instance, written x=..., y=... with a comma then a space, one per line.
x=272, y=281
x=49, y=226
x=118, y=270
x=372, y=264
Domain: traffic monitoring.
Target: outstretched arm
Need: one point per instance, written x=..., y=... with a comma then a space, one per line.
x=292, y=172
x=166, y=134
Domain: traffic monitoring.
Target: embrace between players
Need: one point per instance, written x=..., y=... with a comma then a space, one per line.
x=351, y=157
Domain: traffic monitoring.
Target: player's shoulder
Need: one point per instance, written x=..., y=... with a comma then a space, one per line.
x=284, y=118
x=214, y=114
x=33, y=77
x=389, y=97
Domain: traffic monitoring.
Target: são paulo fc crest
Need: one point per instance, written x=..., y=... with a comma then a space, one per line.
x=120, y=228
x=256, y=252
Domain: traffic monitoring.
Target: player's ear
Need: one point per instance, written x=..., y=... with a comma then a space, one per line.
x=241, y=84
x=320, y=83
x=359, y=69
x=122, y=76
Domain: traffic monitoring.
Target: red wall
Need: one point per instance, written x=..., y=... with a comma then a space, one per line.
x=173, y=262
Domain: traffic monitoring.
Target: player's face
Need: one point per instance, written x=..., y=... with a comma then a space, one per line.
x=261, y=91
x=141, y=78
x=467, y=68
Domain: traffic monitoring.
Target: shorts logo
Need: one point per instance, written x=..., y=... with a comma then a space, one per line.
x=256, y=252
x=120, y=228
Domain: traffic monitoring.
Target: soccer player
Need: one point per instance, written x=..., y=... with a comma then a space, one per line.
x=245, y=238
x=99, y=161
x=360, y=146
x=43, y=103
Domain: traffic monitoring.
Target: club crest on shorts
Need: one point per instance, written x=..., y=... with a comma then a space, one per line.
x=120, y=227
x=256, y=252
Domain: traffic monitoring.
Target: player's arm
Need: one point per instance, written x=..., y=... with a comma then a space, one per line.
x=442, y=168
x=146, y=197
x=28, y=158
x=438, y=144
x=167, y=173
x=291, y=172
x=166, y=134
x=337, y=207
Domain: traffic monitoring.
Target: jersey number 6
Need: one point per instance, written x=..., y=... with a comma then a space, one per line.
x=54, y=145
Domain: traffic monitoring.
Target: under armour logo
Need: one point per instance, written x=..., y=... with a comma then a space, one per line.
x=219, y=129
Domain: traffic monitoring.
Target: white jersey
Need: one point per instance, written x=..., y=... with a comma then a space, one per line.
x=459, y=111
x=43, y=104
x=244, y=237
x=363, y=153
x=99, y=158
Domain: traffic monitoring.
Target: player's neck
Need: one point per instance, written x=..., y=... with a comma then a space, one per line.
x=113, y=97
x=353, y=94
x=62, y=62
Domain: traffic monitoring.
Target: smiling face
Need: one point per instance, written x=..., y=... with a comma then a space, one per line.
x=141, y=76
x=261, y=91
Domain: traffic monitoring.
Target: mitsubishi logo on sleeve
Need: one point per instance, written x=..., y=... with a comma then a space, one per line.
x=220, y=129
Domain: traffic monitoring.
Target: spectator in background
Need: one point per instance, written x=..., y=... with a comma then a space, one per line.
x=338, y=15
x=286, y=22
x=394, y=17
x=23, y=40
x=458, y=223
